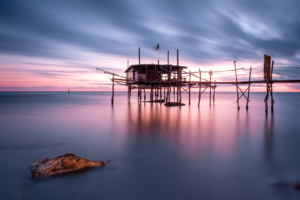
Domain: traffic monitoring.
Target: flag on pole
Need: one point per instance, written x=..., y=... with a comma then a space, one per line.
x=157, y=47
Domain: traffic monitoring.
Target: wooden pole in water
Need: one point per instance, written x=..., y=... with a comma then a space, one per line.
x=169, y=89
x=164, y=94
x=271, y=92
x=151, y=93
x=174, y=92
x=139, y=55
x=210, y=73
x=214, y=92
x=199, y=98
x=236, y=84
x=177, y=84
x=160, y=85
x=113, y=90
x=138, y=92
x=177, y=57
x=190, y=88
x=128, y=98
x=249, y=87
x=180, y=74
x=168, y=57
x=144, y=93
x=267, y=95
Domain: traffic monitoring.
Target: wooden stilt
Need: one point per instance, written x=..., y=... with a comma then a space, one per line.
x=151, y=93
x=169, y=88
x=210, y=73
x=160, y=95
x=144, y=93
x=128, y=93
x=190, y=88
x=174, y=92
x=214, y=92
x=271, y=91
x=138, y=92
x=237, y=91
x=199, y=97
x=177, y=92
x=266, y=98
x=113, y=90
x=164, y=94
x=249, y=87
x=180, y=75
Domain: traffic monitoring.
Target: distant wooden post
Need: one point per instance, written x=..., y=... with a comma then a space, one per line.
x=190, y=88
x=174, y=92
x=180, y=75
x=249, y=87
x=68, y=91
x=214, y=92
x=128, y=96
x=160, y=85
x=267, y=77
x=271, y=85
x=144, y=93
x=168, y=57
x=113, y=89
x=177, y=84
x=177, y=57
x=138, y=92
x=210, y=73
x=139, y=55
x=169, y=89
x=151, y=93
x=236, y=84
x=199, y=97
x=164, y=93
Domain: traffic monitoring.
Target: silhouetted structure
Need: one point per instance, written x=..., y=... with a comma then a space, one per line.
x=160, y=79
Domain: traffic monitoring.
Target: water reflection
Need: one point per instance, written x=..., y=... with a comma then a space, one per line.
x=187, y=152
x=269, y=137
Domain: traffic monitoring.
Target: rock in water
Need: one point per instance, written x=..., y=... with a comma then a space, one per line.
x=61, y=165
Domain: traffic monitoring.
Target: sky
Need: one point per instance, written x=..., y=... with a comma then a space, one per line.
x=56, y=45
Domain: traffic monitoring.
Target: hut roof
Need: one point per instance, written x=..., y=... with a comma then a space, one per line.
x=149, y=65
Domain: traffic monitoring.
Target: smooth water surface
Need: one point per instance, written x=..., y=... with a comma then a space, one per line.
x=154, y=151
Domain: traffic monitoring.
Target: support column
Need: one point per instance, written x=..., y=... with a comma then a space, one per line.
x=267, y=97
x=271, y=92
x=151, y=93
x=180, y=73
x=144, y=93
x=128, y=93
x=249, y=87
x=138, y=92
x=199, y=97
x=214, y=92
x=139, y=55
x=160, y=95
x=237, y=91
x=190, y=88
x=113, y=90
x=210, y=73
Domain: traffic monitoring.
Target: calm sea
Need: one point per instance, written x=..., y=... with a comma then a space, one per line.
x=154, y=152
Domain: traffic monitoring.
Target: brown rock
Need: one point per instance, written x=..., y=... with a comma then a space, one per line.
x=62, y=164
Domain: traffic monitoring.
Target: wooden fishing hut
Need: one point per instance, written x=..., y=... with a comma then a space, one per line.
x=161, y=79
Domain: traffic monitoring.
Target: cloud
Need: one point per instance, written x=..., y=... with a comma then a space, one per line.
x=204, y=31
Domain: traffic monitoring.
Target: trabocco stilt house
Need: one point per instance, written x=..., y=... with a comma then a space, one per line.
x=162, y=79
